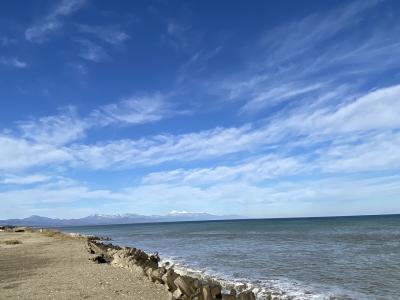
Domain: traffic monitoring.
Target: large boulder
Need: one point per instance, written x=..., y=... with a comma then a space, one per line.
x=184, y=283
x=168, y=278
x=157, y=274
x=216, y=291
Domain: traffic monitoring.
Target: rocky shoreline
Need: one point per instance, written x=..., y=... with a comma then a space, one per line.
x=180, y=287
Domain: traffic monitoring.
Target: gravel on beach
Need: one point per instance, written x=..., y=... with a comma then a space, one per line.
x=42, y=267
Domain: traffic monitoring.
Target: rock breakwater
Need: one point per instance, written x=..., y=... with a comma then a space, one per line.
x=180, y=287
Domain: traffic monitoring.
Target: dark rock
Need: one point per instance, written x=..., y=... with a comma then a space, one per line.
x=99, y=259
x=98, y=238
x=216, y=291
x=155, y=258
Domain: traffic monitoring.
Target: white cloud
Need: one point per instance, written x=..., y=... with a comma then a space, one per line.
x=28, y=179
x=375, y=152
x=111, y=35
x=52, y=22
x=163, y=148
x=273, y=95
x=91, y=51
x=38, y=33
x=135, y=110
x=42, y=141
x=19, y=154
x=13, y=62
x=67, y=7
x=254, y=170
x=54, y=130
x=48, y=195
x=379, y=109
x=287, y=133
x=333, y=196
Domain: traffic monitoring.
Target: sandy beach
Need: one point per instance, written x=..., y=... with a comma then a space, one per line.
x=43, y=267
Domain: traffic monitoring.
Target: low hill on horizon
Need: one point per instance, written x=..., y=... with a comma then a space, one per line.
x=129, y=218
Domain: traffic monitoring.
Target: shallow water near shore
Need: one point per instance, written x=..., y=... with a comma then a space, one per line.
x=308, y=258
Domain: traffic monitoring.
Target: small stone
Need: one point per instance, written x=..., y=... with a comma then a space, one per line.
x=216, y=291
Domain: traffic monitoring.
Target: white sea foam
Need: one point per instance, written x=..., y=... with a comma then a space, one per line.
x=283, y=288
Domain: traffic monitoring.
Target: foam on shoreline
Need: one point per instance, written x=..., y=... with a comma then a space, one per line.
x=281, y=288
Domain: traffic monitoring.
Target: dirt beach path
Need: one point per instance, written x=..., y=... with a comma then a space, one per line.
x=48, y=268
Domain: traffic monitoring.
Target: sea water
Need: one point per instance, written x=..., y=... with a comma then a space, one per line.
x=306, y=258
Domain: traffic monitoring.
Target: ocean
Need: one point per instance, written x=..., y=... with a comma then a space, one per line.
x=301, y=258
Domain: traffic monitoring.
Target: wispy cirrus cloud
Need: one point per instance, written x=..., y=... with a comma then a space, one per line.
x=298, y=63
x=67, y=126
x=136, y=110
x=165, y=147
x=330, y=127
x=91, y=51
x=13, y=62
x=25, y=179
x=373, y=153
x=178, y=34
x=254, y=170
x=54, y=130
x=52, y=22
x=53, y=140
x=109, y=34
x=377, y=110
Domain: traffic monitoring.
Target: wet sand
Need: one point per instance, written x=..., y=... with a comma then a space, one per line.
x=49, y=268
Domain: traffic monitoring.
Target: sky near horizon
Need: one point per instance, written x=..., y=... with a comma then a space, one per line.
x=261, y=108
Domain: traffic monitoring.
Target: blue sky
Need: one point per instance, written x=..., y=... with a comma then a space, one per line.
x=262, y=109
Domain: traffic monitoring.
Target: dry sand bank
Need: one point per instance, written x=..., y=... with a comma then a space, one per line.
x=48, y=268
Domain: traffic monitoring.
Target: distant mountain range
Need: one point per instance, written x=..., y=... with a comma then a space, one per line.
x=174, y=216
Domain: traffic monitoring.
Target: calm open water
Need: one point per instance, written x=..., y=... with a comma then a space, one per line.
x=311, y=258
